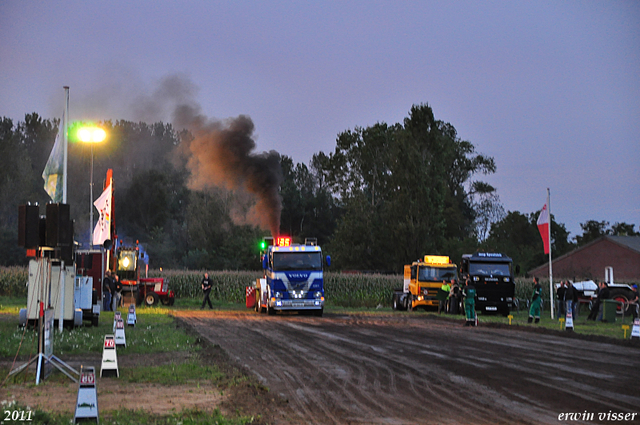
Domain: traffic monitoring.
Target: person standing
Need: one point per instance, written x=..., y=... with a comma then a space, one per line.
x=443, y=297
x=206, y=288
x=560, y=295
x=534, y=310
x=469, y=293
x=114, y=292
x=571, y=299
x=117, y=295
x=106, y=291
x=596, y=308
x=633, y=302
x=454, y=298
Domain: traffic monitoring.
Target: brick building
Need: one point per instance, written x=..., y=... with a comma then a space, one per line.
x=589, y=261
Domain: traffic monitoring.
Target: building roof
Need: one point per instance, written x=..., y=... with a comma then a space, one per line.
x=632, y=242
x=629, y=242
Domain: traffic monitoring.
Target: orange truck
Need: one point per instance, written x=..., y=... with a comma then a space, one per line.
x=422, y=280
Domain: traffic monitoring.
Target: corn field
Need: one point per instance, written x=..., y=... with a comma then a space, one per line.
x=343, y=290
x=13, y=281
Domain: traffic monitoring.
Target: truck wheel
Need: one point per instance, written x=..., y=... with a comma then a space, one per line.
x=95, y=320
x=171, y=302
x=151, y=299
x=318, y=313
x=396, y=302
x=270, y=310
x=409, y=304
x=256, y=306
x=621, y=295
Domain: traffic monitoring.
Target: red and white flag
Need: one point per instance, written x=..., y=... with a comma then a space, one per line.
x=102, y=232
x=543, y=227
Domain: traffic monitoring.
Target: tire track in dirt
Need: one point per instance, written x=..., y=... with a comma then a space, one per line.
x=398, y=369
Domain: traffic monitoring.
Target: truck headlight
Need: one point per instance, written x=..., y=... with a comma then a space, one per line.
x=476, y=278
x=318, y=294
x=278, y=295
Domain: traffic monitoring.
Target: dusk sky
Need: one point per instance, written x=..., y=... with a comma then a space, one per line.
x=550, y=89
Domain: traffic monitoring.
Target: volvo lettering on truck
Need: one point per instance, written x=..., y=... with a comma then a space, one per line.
x=293, y=277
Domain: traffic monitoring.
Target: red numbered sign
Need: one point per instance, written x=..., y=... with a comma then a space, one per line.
x=87, y=379
x=109, y=343
x=120, y=324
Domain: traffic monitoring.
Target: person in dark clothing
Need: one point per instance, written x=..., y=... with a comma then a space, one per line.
x=571, y=299
x=106, y=291
x=634, y=302
x=603, y=294
x=207, y=284
x=454, y=298
x=114, y=293
x=560, y=295
x=117, y=295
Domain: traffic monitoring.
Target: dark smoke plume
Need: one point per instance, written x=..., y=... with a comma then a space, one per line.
x=222, y=154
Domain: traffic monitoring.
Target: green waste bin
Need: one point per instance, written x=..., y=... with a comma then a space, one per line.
x=609, y=310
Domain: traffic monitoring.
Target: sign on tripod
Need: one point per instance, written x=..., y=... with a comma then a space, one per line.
x=131, y=318
x=109, y=365
x=87, y=401
x=121, y=341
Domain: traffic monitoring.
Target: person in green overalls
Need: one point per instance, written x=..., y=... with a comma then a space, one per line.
x=534, y=310
x=469, y=293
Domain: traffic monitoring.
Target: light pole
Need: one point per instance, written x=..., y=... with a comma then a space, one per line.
x=91, y=135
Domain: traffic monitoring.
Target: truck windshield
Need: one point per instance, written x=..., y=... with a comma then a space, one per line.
x=490, y=269
x=297, y=261
x=436, y=274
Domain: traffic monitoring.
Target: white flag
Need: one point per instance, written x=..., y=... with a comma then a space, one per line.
x=102, y=232
x=53, y=171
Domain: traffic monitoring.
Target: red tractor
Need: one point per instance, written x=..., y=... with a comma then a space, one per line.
x=155, y=290
x=150, y=291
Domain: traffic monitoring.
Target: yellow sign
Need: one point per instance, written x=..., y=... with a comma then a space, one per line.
x=436, y=259
x=625, y=328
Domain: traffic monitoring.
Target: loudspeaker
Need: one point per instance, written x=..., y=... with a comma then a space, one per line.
x=84, y=260
x=28, y=226
x=66, y=249
x=58, y=225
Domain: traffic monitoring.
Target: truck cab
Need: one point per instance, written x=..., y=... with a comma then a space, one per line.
x=293, y=277
x=422, y=280
x=492, y=275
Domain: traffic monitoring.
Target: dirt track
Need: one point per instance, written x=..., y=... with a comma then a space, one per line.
x=398, y=369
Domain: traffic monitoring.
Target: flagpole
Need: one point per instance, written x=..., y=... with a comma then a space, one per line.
x=65, y=126
x=551, y=303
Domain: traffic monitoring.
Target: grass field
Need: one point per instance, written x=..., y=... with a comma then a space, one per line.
x=155, y=333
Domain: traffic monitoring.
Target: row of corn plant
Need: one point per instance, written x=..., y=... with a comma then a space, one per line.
x=13, y=281
x=345, y=290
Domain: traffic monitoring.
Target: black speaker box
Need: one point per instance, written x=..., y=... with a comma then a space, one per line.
x=59, y=231
x=28, y=226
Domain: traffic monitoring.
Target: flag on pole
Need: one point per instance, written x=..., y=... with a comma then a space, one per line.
x=543, y=227
x=53, y=171
x=102, y=231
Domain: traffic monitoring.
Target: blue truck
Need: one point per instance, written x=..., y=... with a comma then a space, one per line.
x=293, y=278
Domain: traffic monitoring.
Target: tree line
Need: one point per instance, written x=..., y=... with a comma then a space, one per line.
x=386, y=195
